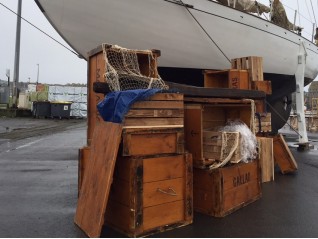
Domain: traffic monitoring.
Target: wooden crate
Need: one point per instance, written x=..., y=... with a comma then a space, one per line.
x=96, y=71
x=152, y=141
x=150, y=194
x=265, y=86
x=211, y=115
x=263, y=122
x=222, y=191
x=233, y=79
x=253, y=64
x=160, y=110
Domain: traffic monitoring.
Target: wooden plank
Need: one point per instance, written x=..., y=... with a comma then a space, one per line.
x=194, y=91
x=152, y=121
x=283, y=156
x=158, y=104
x=266, y=158
x=265, y=86
x=83, y=161
x=163, y=214
x=96, y=66
x=188, y=189
x=193, y=132
x=96, y=185
x=167, y=96
x=216, y=101
x=158, y=113
x=163, y=168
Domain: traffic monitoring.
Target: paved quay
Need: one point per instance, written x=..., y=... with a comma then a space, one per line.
x=38, y=189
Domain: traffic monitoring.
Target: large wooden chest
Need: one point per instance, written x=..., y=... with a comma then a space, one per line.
x=222, y=191
x=150, y=194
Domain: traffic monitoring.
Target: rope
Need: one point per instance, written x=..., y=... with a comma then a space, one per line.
x=224, y=145
x=208, y=35
x=282, y=118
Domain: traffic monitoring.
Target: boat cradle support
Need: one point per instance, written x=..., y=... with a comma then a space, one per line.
x=300, y=108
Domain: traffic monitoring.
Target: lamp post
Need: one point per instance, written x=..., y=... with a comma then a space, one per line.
x=37, y=79
x=17, y=57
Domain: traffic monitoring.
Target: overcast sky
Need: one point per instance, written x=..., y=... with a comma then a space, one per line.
x=57, y=65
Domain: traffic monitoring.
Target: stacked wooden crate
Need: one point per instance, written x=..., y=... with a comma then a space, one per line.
x=147, y=187
x=152, y=186
x=221, y=191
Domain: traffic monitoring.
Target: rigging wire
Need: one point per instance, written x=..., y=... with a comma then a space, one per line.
x=186, y=6
x=273, y=109
x=308, y=11
x=313, y=12
x=40, y=30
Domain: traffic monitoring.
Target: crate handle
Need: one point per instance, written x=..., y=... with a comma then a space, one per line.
x=170, y=191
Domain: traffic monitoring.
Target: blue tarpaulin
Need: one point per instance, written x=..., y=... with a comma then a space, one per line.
x=116, y=104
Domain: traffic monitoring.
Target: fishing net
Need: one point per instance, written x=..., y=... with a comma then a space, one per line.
x=229, y=150
x=123, y=69
x=248, y=140
x=238, y=143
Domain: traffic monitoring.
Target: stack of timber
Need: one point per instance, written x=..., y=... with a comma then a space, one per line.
x=140, y=183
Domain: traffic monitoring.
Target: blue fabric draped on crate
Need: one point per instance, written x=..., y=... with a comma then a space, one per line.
x=116, y=104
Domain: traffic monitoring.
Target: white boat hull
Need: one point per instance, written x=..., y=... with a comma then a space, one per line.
x=170, y=28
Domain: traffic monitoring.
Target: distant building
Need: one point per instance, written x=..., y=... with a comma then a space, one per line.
x=312, y=93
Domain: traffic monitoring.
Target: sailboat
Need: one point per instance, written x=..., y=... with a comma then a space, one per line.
x=192, y=35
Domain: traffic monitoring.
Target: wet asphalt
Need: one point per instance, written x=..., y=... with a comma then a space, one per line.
x=38, y=190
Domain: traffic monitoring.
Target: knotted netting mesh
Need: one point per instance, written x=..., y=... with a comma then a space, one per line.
x=123, y=72
x=230, y=146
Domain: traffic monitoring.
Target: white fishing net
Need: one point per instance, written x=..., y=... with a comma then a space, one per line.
x=123, y=70
x=248, y=142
